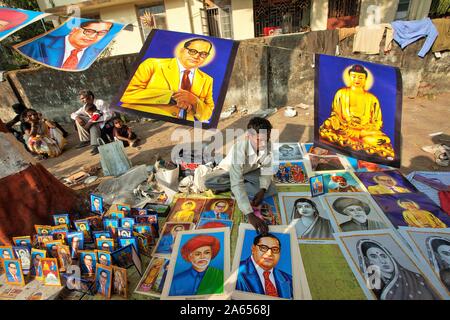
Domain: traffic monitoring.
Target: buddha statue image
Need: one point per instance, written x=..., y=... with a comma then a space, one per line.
x=356, y=121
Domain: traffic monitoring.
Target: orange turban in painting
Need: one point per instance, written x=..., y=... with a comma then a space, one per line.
x=14, y=18
x=338, y=179
x=198, y=242
x=214, y=224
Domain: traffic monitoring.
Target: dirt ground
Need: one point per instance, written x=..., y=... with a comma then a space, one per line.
x=421, y=117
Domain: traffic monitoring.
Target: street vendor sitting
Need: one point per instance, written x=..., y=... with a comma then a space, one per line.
x=247, y=171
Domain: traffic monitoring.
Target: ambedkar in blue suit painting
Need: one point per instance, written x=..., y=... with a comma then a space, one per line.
x=258, y=273
x=75, y=50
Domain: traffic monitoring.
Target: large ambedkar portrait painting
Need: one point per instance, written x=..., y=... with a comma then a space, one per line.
x=179, y=77
x=358, y=109
x=73, y=46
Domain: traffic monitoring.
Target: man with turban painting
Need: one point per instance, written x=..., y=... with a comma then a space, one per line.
x=200, y=278
x=356, y=120
x=358, y=211
x=397, y=282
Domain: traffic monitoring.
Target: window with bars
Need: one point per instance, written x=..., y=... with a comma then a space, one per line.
x=218, y=22
x=281, y=16
x=343, y=8
x=151, y=17
x=402, y=10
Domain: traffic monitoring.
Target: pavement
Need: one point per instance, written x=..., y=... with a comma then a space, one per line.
x=421, y=117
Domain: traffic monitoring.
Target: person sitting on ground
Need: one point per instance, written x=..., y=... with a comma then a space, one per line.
x=42, y=136
x=124, y=133
x=81, y=117
x=247, y=171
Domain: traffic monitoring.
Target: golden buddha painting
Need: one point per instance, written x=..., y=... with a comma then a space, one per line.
x=186, y=210
x=356, y=109
x=412, y=210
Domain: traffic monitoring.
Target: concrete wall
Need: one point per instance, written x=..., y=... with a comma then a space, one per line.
x=319, y=15
x=377, y=11
x=126, y=41
x=268, y=72
x=7, y=99
x=177, y=16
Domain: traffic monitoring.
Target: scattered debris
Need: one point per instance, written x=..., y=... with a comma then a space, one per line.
x=76, y=178
x=90, y=179
x=435, y=134
x=290, y=112
x=303, y=106
x=264, y=112
x=228, y=112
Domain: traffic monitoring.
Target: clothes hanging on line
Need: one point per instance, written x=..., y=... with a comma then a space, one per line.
x=442, y=42
x=407, y=32
x=367, y=39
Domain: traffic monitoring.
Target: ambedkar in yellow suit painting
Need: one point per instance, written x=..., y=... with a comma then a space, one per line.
x=180, y=78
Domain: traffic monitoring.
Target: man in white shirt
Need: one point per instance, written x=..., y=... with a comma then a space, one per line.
x=81, y=118
x=247, y=171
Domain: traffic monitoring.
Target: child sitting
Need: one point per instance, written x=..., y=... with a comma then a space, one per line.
x=124, y=133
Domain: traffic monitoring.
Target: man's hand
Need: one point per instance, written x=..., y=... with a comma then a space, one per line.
x=257, y=223
x=185, y=97
x=80, y=121
x=88, y=126
x=259, y=197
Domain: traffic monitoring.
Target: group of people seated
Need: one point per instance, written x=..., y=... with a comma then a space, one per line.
x=45, y=138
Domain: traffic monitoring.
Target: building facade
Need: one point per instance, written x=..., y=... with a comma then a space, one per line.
x=235, y=19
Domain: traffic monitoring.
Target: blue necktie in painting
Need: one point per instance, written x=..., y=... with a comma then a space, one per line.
x=185, y=85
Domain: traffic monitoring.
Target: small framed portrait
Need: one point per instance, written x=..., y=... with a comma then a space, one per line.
x=42, y=240
x=88, y=262
x=143, y=228
x=198, y=252
x=124, y=257
x=415, y=210
x=43, y=230
x=316, y=185
x=124, y=233
x=52, y=248
x=6, y=252
x=214, y=223
x=385, y=268
x=120, y=282
x=112, y=224
x=95, y=223
x=276, y=256
x=24, y=255
x=50, y=272
x=105, y=244
x=60, y=228
x=290, y=173
x=61, y=236
x=22, y=241
x=309, y=148
x=186, y=210
x=13, y=270
x=386, y=182
x=101, y=235
x=288, y=151
x=342, y=182
x=64, y=257
x=141, y=212
x=127, y=223
x=36, y=263
x=96, y=204
x=76, y=243
x=83, y=226
x=104, y=257
x=355, y=212
x=123, y=242
x=148, y=218
x=144, y=243
x=117, y=215
x=161, y=209
x=170, y=230
x=125, y=208
x=307, y=214
x=152, y=283
x=433, y=246
x=268, y=211
x=326, y=163
x=61, y=219
x=218, y=209
x=103, y=280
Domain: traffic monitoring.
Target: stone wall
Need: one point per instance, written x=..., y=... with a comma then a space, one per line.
x=268, y=72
